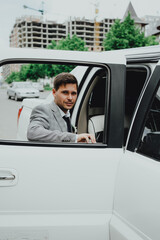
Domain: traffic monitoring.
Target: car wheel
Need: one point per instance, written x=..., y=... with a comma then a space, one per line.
x=9, y=97
x=15, y=97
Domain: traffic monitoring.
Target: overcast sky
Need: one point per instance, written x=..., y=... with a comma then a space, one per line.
x=61, y=10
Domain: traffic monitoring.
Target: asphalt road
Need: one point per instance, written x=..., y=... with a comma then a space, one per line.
x=8, y=115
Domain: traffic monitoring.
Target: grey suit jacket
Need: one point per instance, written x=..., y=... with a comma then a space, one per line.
x=47, y=125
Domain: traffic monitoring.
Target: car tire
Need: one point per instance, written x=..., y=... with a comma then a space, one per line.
x=9, y=97
x=15, y=97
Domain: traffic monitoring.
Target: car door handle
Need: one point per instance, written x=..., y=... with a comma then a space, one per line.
x=8, y=177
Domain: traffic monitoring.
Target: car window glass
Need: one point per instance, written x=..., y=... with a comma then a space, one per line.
x=135, y=79
x=150, y=141
x=24, y=86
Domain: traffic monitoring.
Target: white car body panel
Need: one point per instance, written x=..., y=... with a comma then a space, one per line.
x=82, y=198
x=73, y=56
x=137, y=198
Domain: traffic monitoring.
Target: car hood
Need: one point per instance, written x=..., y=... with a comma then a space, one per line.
x=24, y=90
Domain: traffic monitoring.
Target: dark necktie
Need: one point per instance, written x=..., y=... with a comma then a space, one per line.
x=69, y=127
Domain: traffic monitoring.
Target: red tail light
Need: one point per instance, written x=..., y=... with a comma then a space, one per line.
x=19, y=113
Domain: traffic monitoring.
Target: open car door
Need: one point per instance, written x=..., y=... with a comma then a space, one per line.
x=61, y=190
x=137, y=195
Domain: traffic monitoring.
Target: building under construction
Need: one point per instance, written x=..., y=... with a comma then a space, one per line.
x=34, y=32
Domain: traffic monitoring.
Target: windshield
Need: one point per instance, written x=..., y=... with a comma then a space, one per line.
x=23, y=85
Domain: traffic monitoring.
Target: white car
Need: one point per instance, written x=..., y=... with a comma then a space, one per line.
x=20, y=90
x=106, y=191
x=38, y=85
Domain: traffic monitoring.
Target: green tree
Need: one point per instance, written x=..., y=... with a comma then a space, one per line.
x=126, y=35
x=32, y=72
x=13, y=77
x=69, y=43
x=23, y=72
x=36, y=71
x=49, y=70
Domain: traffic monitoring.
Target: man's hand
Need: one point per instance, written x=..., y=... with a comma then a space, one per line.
x=85, y=137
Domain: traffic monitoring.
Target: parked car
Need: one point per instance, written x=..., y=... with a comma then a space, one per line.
x=107, y=190
x=38, y=85
x=20, y=90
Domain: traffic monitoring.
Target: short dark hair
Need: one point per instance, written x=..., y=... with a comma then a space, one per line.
x=64, y=78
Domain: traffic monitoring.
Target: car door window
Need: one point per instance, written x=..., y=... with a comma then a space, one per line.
x=150, y=141
x=136, y=76
x=18, y=97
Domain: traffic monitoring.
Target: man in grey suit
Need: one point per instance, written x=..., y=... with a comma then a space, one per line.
x=51, y=122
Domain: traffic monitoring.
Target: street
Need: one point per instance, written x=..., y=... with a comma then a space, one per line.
x=8, y=114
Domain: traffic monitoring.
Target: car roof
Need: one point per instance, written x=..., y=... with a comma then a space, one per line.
x=114, y=56
x=141, y=53
x=85, y=57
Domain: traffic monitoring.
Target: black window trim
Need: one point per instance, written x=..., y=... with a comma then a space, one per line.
x=144, y=106
x=148, y=69
x=106, y=104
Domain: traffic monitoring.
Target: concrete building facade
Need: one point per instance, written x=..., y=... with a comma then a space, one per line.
x=33, y=32
x=153, y=28
x=92, y=32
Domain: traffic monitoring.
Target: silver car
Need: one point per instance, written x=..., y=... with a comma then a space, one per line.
x=38, y=85
x=20, y=90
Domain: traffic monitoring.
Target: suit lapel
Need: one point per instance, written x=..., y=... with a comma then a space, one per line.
x=58, y=117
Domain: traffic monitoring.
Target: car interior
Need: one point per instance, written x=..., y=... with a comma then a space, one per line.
x=136, y=77
x=150, y=140
x=93, y=106
x=92, y=109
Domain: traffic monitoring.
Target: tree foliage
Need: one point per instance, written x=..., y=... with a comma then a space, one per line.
x=13, y=77
x=32, y=71
x=69, y=43
x=73, y=44
x=126, y=35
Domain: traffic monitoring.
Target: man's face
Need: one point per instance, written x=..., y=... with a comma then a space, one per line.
x=65, y=97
